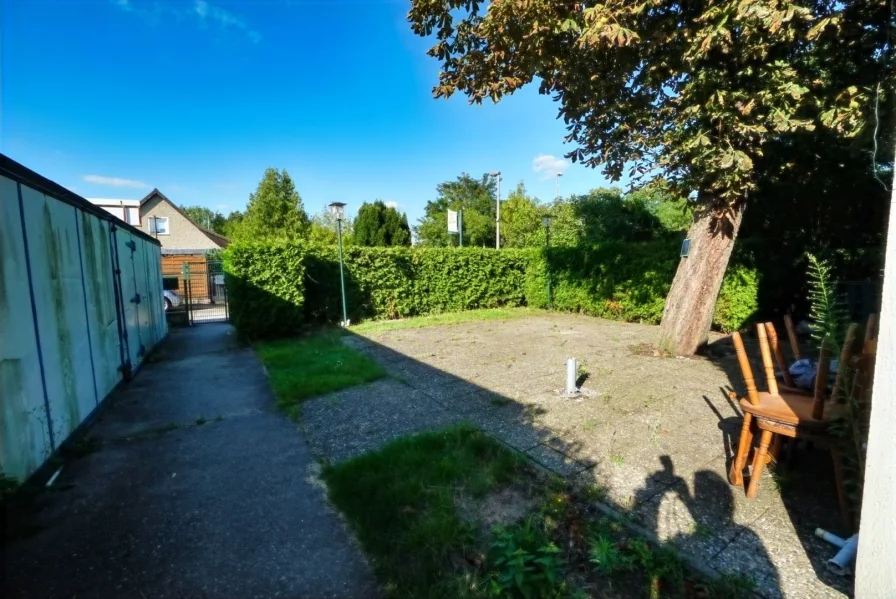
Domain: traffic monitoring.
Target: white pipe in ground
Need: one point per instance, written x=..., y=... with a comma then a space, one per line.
x=841, y=563
x=571, y=371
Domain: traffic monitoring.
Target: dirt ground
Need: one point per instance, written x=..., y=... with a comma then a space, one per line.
x=655, y=434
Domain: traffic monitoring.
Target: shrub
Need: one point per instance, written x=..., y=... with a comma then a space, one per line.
x=629, y=281
x=738, y=299
x=265, y=288
x=401, y=282
x=619, y=281
x=277, y=287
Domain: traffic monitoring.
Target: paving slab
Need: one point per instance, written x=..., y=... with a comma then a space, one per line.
x=656, y=434
x=348, y=423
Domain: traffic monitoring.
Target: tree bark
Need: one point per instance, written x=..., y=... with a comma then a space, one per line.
x=691, y=302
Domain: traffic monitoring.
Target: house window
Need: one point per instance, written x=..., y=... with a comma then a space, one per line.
x=158, y=225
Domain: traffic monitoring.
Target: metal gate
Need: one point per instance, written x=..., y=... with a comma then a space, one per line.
x=195, y=293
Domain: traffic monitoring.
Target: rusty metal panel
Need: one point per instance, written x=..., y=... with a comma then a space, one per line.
x=96, y=266
x=52, y=236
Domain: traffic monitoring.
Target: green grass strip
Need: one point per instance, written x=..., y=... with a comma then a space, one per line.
x=400, y=502
x=314, y=365
x=418, y=322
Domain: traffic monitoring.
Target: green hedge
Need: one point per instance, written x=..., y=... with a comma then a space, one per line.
x=619, y=281
x=275, y=289
x=266, y=288
x=401, y=282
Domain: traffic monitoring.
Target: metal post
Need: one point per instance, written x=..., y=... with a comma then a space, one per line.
x=547, y=260
x=460, y=228
x=572, y=368
x=342, y=275
x=498, y=217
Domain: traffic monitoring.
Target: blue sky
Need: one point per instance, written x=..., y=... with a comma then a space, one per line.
x=197, y=97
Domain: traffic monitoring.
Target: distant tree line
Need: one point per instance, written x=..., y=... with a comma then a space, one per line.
x=276, y=211
x=644, y=214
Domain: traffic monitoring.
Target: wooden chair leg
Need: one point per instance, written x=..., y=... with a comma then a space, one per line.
x=774, y=450
x=736, y=474
x=759, y=464
x=842, y=497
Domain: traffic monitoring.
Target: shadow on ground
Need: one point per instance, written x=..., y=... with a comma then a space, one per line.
x=654, y=434
x=192, y=485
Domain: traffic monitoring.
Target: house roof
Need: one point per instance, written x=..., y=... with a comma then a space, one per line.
x=218, y=240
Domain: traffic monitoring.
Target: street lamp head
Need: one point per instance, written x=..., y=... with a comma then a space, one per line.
x=546, y=220
x=337, y=209
x=559, y=174
x=495, y=173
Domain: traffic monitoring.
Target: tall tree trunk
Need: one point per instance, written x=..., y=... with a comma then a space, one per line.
x=687, y=316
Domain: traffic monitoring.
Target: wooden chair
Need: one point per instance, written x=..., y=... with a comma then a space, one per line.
x=788, y=385
x=791, y=334
x=777, y=412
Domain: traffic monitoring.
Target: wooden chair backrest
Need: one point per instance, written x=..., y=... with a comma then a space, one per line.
x=791, y=334
x=778, y=353
x=864, y=372
x=849, y=345
x=745, y=369
x=767, y=359
x=869, y=329
x=821, y=381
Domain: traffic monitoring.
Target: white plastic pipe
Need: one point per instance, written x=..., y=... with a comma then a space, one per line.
x=571, y=371
x=831, y=538
x=841, y=564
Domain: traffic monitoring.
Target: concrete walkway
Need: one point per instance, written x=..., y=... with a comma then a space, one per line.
x=198, y=489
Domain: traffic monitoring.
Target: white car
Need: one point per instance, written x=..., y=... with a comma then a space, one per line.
x=172, y=300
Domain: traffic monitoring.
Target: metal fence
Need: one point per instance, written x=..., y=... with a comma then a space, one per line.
x=195, y=292
x=80, y=306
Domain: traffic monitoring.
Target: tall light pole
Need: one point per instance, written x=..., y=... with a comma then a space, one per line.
x=557, y=185
x=497, y=175
x=546, y=221
x=338, y=210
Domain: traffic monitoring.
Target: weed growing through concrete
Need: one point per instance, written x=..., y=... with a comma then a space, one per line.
x=701, y=531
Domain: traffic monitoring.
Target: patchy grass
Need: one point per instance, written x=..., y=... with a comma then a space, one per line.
x=418, y=322
x=422, y=507
x=314, y=365
x=401, y=503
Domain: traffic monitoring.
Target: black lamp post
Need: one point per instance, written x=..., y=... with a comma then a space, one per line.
x=338, y=210
x=546, y=221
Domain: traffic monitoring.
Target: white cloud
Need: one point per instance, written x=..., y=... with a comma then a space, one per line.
x=204, y=11
x=115, y=181
x=392, y=205
x=549, y=165
x=222, y=206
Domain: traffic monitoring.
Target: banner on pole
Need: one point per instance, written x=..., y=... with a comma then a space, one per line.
x=452, y=222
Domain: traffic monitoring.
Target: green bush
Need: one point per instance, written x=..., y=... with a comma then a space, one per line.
x=276, y=288
x=629, y=281
x=738, y=299
x=400, y=282
x=265, y=288
x=619, y=281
